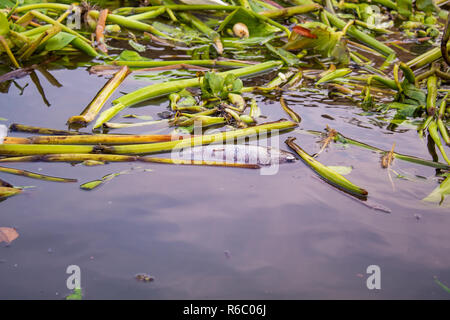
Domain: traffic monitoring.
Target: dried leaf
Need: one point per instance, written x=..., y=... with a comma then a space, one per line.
x=8, y=235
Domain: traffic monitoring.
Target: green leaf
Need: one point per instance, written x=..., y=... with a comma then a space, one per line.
x=426, y=5
x=338, y=73
x=128, y=55
x=325, y=42
x=415, y=94
x=256, y=27
x=404, y=7
x=4, y=25
x=59, y=41
x=91, y=185
x=438, y=195
x=137, y=46
x=289, y=58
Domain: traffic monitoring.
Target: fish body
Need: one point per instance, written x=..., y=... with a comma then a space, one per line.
x=237, y=153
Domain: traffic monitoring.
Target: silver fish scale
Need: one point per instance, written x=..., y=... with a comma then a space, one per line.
x=248, y=154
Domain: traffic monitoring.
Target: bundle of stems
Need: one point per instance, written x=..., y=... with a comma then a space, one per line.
x=161, y=89
x=147, y=148
x=123, y=158
x=100, y=99
x=359, y=35
x=6, y=192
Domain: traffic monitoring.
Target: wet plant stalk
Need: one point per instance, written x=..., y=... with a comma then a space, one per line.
x=326, y=173
x=100, y=99
x=294, y=116
x=290, y=11
x=6, y=192
x=38, y=130
x=34, y=175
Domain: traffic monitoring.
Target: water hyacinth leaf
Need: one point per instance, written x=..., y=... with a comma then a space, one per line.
x=404, y=8
x=8, y=191
x=8, y=235
x=255, y=26
x=412, y=95
x=136, y=46
x=59, y=41
x=334, y=75
x=289, y=58
x=314, y=35
x=439, y=194
x=426, y=6
x=4, y=24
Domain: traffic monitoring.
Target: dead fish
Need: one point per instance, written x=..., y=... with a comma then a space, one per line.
x=237, y=153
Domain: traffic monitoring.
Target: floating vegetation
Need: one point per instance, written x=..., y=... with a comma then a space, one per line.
x=338, y=50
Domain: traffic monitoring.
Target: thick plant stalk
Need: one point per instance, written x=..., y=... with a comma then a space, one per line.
x=106, y=139
x=100, y=30
x=176, y=7
x=290, y=11
x=38, y=130
x=9, y=52
x=71, y=157
x=3, y=183
x=31, y=149
x=359, y=35
x=6, y=192
x=121, y=158
x=37, y=6
x=440, y=123
x=34, y=175
x=130, y=23
x=100, y=99
x=221, y=137
x=36, y=149
x=326, y=173
x=47, y=19
x=147, y=15
x=432, y=129
x=16, y=140
x=432, y=95
x=210, y=33
x=444, y=41
x=149, y=64
x=161, y=89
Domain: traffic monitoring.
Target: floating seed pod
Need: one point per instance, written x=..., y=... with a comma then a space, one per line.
x=240, y=30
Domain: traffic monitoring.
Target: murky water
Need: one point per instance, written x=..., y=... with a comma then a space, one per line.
x=206, y=232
